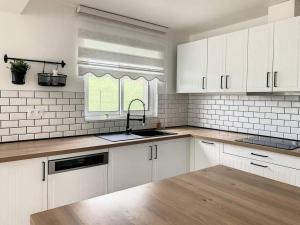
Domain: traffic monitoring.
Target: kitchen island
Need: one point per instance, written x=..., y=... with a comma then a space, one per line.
x=214, y=196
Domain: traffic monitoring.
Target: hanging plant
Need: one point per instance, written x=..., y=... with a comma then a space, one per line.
x=18, y=70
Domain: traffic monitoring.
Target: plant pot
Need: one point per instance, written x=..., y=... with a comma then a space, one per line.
x=18, y=78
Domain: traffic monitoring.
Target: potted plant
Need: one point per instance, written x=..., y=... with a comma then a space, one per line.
x=18, y=70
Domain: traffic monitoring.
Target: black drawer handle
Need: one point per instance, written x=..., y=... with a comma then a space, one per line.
x=254, y=164
x=264, y=156
x=44, y=171
x=209, y=143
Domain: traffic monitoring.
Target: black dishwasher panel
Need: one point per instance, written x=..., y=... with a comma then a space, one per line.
x=75, y=163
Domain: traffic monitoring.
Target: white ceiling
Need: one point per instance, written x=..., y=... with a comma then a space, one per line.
x=185, y=14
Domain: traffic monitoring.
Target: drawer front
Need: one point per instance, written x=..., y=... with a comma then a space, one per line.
x=264, y=156
x=268, y=170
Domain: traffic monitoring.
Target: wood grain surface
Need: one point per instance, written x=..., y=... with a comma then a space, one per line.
x=49, y=147
x=215, y=196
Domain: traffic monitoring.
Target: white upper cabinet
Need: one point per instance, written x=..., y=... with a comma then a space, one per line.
x=260, y=59
x=227, y=62
x=236, y=61
x=192, y=67
x=216, y=63
x=286, y=55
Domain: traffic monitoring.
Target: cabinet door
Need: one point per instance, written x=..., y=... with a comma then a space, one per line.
x=171, y=158
x=286, y=55
x=260, y=59
x=74, y=186
x=129, y=166
x=22, y=191
x=236, y=61
x=192, y=67
x=207, y=154
x=216, y=64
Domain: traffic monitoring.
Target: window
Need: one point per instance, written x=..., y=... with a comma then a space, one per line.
x=119, y=64
x=107, y=97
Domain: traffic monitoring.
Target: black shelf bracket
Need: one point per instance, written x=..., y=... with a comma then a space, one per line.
x=62, y=63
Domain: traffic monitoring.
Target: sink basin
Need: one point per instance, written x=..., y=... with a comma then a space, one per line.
x=134, y=135
x=152, y=133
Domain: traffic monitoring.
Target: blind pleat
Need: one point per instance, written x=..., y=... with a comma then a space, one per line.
x=106, y=49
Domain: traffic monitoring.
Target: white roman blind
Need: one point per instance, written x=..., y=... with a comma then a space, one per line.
x=119, y=50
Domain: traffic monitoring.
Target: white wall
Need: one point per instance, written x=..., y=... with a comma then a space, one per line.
x=48, y=30
x=45, y=30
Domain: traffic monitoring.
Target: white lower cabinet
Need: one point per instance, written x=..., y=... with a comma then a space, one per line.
x=279, y=172
x=129, y=166
x=171, y=158
x=134, y=165
x=206, y=154
x=23, y=190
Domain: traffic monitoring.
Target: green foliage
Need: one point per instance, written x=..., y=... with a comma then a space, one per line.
x=19, y=67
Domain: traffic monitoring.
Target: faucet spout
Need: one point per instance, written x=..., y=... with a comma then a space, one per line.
x=143, y=119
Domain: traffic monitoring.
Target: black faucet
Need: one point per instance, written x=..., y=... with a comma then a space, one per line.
x=143, y=119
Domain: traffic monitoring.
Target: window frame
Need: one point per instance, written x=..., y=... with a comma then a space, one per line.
x=121, y=114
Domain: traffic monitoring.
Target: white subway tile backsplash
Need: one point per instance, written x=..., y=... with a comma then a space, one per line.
x=277, y=116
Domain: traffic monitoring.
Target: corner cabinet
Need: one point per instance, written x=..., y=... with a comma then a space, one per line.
x=206, y=154
x=135, y=165
x=192, y=67
x=23, y=190
x=227, y=62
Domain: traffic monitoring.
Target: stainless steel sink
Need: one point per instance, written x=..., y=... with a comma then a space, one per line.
x=115, y=137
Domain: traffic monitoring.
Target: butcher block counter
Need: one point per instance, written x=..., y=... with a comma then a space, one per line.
x=214, y=196
x=49, y=147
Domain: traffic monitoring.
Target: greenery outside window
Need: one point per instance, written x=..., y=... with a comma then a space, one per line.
x=107, y=97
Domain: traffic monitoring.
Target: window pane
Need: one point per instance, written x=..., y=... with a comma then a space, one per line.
x=135, y=89
x=103, y=94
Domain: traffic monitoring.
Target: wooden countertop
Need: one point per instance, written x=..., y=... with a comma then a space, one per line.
x=49, y=147
x=215, y=196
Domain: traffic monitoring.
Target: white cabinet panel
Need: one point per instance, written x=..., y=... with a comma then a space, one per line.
x=77, y=185
x=171, y=158
x=286, y=55
x=216, y=63
x=22, y=191
x=260, y=59
x=207, y=154
x=192, y=67
x=236, y=61
x=129, y=166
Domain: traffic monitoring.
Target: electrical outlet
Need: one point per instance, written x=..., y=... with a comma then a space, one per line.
x=35, y=113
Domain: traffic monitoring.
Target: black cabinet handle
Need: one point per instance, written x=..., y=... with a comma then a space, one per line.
x=203, y=83
x=209, y=143
x=151, y=153
x=268, y=77
x=275, y=78
x=44, y=171
x=264, y=156
x=155, y=157
x=254, y=164
x=226, y=81
x=222, y=82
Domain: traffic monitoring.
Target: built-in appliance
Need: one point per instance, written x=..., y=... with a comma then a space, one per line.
x=77, y=178
x=272, y=142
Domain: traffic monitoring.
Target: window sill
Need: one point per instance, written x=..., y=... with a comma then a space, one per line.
x=115, y=117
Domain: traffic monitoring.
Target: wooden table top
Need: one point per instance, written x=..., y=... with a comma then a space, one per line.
x=49, y=147
x=214, y=196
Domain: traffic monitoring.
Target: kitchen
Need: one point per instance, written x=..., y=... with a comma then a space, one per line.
x=156, y=113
